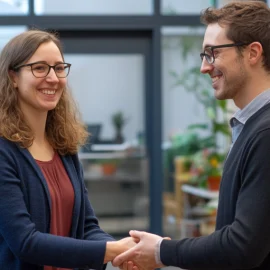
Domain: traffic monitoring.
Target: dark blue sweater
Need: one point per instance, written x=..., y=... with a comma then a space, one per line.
x=25, y=242
x=242, y=236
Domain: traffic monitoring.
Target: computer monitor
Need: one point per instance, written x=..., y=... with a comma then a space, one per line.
x=94, y=133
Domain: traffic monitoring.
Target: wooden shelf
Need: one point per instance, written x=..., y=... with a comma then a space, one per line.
x=122, y=178
x=200, y=192
x=106, y=155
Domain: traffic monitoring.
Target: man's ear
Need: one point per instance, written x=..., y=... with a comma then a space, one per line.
x=13, y=76
x=255, y=52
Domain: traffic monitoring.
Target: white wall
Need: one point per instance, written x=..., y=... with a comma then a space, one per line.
x=105, y=84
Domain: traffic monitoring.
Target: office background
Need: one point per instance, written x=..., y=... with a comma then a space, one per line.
x=124, y=56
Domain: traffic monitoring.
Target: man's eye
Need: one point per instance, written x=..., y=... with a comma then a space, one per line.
x=216, y=52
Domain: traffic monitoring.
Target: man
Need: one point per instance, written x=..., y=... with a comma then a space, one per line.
x=236, y=55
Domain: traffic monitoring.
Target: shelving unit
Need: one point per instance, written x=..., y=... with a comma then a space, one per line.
x=115, y=194
x=194, y=226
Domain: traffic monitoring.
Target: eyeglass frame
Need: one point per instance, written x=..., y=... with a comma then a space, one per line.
x=212, y=48
x=40, y=62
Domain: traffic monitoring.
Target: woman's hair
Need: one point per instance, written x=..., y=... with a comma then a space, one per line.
x=64, y=130
x=246, y=22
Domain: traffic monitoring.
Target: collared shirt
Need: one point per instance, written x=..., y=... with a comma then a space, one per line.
x=239, y=119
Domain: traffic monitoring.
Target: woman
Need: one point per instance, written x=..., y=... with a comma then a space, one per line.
x=46, y=220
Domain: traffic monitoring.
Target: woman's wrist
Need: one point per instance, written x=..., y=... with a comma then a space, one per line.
x=112, y=250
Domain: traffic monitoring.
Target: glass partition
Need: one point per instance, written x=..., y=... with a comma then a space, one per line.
x=8, y=32
x=181, y=47
x=176, y=7
x=196, y=134
x=13, y=7
x=115, y=172
x=94, y=7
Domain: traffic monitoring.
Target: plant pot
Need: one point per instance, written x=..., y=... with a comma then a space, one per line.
x=108, y=169
x=213, y=182
x=119, y=138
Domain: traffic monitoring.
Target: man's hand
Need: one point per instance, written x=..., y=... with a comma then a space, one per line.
x=143, y=254
x=128, y=243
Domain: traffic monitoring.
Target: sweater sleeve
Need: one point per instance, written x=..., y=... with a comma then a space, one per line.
x=33, y=246
x=245, y=243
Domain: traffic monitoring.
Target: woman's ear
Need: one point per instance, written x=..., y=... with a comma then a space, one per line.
x=13, y=77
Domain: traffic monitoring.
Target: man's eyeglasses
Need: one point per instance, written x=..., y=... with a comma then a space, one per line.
x=209, y=51
x=41, y=69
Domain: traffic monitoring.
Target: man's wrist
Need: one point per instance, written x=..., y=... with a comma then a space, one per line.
x=157, y=252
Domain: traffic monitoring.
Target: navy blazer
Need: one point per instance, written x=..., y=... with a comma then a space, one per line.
x=25, y=241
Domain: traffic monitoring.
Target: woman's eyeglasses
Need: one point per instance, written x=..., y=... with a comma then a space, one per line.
x=41, y=69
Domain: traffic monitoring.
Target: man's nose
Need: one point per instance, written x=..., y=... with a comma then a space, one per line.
x=206, y=67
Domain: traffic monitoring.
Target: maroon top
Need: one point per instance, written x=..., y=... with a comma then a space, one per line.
x=62, y=197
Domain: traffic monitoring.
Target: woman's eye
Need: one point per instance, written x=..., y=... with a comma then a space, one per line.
x=39, y=68
x=60, y=68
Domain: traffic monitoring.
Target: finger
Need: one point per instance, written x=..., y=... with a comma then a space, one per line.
x=130, y=265
x=125, y=266
x=122, y=266
x=136, y=240
x=167, y=238
x=135, y=234
x=125, y=256
x=135, y=267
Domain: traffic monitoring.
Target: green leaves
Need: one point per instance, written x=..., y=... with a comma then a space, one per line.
x=222, y=128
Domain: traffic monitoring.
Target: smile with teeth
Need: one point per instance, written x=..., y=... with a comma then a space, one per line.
x=48, y=92
x=214, y=79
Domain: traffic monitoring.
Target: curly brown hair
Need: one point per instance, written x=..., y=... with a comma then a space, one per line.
x=246, y=22
x=64, y=129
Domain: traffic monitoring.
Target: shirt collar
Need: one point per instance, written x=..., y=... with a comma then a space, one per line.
x=257, y=103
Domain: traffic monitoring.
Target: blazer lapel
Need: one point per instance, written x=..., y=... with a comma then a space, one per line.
x=36, y=168
x=73, y=176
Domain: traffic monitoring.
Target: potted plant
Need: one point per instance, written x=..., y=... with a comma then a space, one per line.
x=109, y=166
x=206, y=169
x=118, y=121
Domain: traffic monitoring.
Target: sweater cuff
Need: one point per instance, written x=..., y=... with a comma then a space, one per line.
x=168, y=254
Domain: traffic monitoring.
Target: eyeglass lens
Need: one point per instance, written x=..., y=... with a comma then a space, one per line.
x=209, y=56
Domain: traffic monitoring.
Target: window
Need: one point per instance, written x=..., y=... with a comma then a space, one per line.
x=94, y=7
x=13, y=7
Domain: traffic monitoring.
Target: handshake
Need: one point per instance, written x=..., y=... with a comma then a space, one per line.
x=138, y=252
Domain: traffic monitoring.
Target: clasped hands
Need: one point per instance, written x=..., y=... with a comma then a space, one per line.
x=141, y=253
